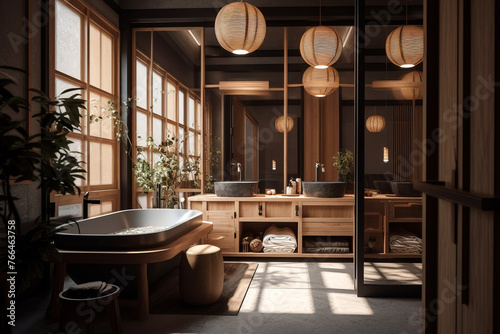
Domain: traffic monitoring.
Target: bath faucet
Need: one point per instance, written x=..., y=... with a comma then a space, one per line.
x=238, y=168
x=86, y=202
x=316, y=170
x=159, y=198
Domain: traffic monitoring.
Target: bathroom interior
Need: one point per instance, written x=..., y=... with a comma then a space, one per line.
x=301, y=172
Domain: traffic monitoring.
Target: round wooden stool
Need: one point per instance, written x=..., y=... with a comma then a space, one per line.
x=201, y=275
x=79, y=313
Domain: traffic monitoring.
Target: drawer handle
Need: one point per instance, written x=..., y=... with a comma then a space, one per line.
x=297, y=210
x=260, y=209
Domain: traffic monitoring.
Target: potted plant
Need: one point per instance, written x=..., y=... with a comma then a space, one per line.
x=344, y=161
x=167, y=171
x=44, y=158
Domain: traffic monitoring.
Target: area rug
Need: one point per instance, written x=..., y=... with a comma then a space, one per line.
x=165, y=297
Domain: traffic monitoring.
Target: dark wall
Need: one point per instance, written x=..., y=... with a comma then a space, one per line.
x=174, y=61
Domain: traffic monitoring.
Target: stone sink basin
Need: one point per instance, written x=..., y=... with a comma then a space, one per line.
x=323, y=189
x=405, y=189
x=235, y=188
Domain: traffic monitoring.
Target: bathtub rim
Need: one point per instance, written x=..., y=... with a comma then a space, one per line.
x=198, y=214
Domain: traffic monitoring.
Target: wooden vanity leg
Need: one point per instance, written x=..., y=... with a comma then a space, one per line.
x=142, y=292
x=57, y=287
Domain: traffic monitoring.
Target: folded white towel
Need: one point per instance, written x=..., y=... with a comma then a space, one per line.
x=279, y=240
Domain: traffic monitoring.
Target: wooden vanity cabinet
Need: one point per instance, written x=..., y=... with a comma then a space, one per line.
x=222, y=215
x=310, y=218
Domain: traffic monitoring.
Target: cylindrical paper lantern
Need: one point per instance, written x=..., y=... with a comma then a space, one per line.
x=375, y=123
x=280, y=124
x=405, y=46
x=320, y=46
x=413, y=93
x=320, y=82
x=240, y=28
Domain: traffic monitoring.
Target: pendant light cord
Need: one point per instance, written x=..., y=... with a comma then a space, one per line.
x=320, y=12
x=406, y=12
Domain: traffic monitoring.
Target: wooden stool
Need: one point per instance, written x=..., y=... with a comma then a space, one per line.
x=201, y=275
x=80, y=313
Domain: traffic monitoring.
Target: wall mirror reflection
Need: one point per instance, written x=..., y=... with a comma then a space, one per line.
x=168, y=115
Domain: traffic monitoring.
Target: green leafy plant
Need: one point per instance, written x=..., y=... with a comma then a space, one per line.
x=344, y=161
x=214, y=157
x=166, y=170
x=45, y=158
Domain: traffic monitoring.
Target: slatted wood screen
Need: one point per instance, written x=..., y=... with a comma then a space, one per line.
x=403, y=147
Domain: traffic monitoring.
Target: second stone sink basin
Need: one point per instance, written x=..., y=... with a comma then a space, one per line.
x=405, y=189
x=235, y=188
x=323, y=189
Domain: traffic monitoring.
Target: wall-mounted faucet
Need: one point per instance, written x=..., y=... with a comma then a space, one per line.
x=86, y=202
x=316, y=170
x=238, y=168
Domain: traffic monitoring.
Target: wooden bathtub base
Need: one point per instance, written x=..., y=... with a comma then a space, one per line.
x=139, y=258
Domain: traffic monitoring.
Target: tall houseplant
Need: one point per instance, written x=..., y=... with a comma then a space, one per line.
x=45, y=158
x=344, y=161
x=166, y=170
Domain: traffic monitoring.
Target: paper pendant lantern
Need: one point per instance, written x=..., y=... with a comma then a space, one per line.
x=320, y=82
x=281, y=126
x=375, y=123
x=413, y=93
x=320, y=46
x=240, y=28
x=405, y=46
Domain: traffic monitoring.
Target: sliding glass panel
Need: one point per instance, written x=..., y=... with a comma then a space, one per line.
x=392, y=217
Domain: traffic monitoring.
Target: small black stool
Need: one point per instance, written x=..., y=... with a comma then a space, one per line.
x=79, y=312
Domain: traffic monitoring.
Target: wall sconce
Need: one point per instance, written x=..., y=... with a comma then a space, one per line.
x=386, y=154
x=274, y=164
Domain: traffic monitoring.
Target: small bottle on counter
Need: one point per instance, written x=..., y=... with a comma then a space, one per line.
x=299, y=185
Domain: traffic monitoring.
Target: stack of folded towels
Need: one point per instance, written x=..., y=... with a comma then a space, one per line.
x=404, y=241
x=329, y=246
x=279, y=240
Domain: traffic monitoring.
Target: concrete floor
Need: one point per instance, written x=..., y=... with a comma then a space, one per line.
x=290, y=297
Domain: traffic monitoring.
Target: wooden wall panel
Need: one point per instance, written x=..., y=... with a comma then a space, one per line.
x=311, y=135
x=238, y=136
x=321, y=135
x=448, y=77
x=478, y=315
x=330, y=134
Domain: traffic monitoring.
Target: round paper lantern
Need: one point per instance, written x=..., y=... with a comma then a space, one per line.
x=375, y=123
x=321, y=46
x=240, y=28
x=320, y=82
x=413, y=93
x=405, y=46
x=280, y=124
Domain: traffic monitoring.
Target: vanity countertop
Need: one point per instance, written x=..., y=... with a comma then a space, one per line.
x=280, y=198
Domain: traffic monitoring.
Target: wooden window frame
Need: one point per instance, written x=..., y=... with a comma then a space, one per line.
x=106, y=192
x=168, y=81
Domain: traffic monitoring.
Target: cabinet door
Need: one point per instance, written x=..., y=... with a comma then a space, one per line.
x=223, y=233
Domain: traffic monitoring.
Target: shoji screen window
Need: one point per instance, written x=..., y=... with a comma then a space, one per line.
x=84, y=55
